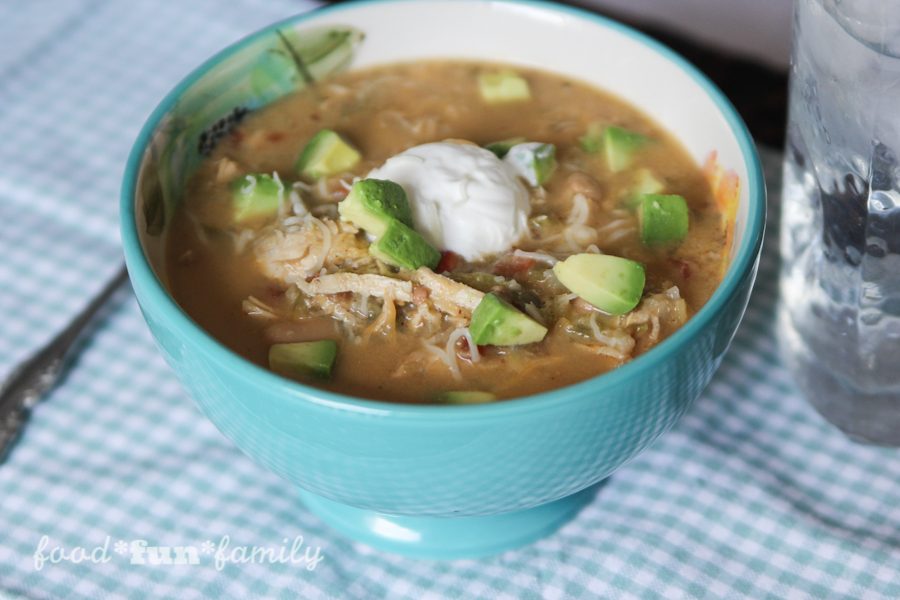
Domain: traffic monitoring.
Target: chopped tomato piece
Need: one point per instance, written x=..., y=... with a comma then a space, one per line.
x=683, y=267
x=513, y=265
x=449, y=261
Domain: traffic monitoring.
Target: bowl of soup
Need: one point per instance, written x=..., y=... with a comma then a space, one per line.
x=444, y=266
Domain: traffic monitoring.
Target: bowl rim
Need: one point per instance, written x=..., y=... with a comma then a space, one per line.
x=159, y=298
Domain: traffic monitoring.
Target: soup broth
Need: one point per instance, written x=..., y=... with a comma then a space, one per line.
x=304, y=273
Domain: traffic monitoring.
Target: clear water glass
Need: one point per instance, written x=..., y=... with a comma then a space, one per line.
x=840, y=229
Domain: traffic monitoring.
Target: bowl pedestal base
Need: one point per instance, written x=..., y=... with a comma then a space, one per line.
x=447, y=537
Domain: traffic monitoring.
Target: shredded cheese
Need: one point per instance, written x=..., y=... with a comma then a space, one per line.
x=321, y=189
x=249, y=185
x=474, y=352
x=387, y=319
x=595, y=327
x=284, y=202
x=537, y=256
x=453, y=340
x=534, y=313
x=445, y=358
x=291, y=221
x=297, y=206
x=654, y=328
x=362, y=305
x=326, y=242
x=624, y=343
x=615, y=237
x=578, y=233
x=613, y=225
x=581, y=210
x=256, y=308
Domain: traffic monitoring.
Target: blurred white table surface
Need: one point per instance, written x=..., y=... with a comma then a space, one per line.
x=756, y=29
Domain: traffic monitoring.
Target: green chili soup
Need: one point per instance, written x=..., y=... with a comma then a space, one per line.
x=445, y=232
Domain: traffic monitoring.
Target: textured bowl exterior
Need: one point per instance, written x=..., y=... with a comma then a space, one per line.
x=440, y=463
x=451, y=460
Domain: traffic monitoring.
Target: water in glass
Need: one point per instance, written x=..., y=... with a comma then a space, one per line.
x=840, y=229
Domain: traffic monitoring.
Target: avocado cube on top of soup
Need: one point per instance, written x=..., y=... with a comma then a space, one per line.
x=618, y=144
x=373, y=203
x=501, y=147
x=611, y=283
x=503, y=86
x=644, y=182
x=255, y=197
x=498, y=323
x=533, y=161
x=327, y=153
x=592, y=140
x=304, y=359
x=400, y=246
x=663, y=218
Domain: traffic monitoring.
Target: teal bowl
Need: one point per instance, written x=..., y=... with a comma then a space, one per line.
x=443, y=481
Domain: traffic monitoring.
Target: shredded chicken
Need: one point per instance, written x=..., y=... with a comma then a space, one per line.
x=302, y=249
x=448, y=357
x=256, y=308
x=449, y=296
x=387, y=320
x=373, y=285
x=328, y=262
x=663, y=312
x=615, y=343
x=536, y=256
x=423, y=319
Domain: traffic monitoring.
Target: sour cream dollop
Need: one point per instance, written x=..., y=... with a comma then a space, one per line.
x=463, y=198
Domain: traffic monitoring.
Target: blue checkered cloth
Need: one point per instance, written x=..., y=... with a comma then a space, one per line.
x=752, y=494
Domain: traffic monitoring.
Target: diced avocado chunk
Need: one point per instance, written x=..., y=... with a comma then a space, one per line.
x=255, y=197
x=663, y=219
x=327, y=153
x=502, y=147
x=534, y=161
x=611, y=283
x=465, y=397
x=373, y=203
x=403, y=247
x=592, y=140
x=645, y=182
x=620, y=146
x=503, y=86
x=497, y=323
x=304, y=359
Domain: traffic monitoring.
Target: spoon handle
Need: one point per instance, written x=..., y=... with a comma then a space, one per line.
x=34, y=377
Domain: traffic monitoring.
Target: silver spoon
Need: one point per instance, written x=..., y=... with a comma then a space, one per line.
x=37, y=375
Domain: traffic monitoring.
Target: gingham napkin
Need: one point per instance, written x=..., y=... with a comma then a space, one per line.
x=752, y=494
